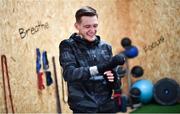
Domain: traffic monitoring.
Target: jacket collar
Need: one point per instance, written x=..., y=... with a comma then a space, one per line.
x=78, y=39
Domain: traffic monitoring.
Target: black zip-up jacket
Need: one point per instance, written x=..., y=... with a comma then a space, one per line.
x=86, y=93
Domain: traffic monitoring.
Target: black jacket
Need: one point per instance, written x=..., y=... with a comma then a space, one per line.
x=86, y=93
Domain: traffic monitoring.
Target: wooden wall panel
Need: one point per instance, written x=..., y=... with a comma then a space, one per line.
x=145, y=22
x=155, y=30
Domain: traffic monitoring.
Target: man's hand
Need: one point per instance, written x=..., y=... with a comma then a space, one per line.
x=109, y=76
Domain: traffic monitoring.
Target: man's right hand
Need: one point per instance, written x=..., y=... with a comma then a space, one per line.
x=109, y=76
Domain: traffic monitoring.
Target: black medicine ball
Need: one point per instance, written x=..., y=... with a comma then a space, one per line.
x=125, y=42
x=137, y=71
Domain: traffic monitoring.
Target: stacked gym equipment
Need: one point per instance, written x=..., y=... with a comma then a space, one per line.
x=141, y=90
x=130, y=52
x=165, y=92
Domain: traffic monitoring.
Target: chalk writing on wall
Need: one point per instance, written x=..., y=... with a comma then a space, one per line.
x=33, y=30
x=154, y=44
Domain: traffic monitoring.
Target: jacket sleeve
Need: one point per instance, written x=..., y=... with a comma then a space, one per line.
x=71, y=70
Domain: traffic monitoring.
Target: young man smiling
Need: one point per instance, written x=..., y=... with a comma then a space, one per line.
x=88, y=65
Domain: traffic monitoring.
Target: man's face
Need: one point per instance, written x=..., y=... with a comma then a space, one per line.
x=87, y=27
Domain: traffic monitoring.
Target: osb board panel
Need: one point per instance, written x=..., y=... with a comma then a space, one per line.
x=21, y=52
x=52, y=22
x=146, y=22
x=155, y=29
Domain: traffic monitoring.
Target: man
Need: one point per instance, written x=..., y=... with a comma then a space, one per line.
x=88, y=64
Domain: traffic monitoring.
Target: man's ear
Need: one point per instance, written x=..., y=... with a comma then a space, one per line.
x=76, y=25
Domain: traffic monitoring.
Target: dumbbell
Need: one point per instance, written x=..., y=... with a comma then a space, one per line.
x=130, y=50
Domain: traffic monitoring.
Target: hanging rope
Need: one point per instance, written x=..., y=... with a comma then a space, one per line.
x=6, y=82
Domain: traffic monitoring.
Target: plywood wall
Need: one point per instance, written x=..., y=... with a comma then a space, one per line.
x=155, y=29
x=145, y=22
